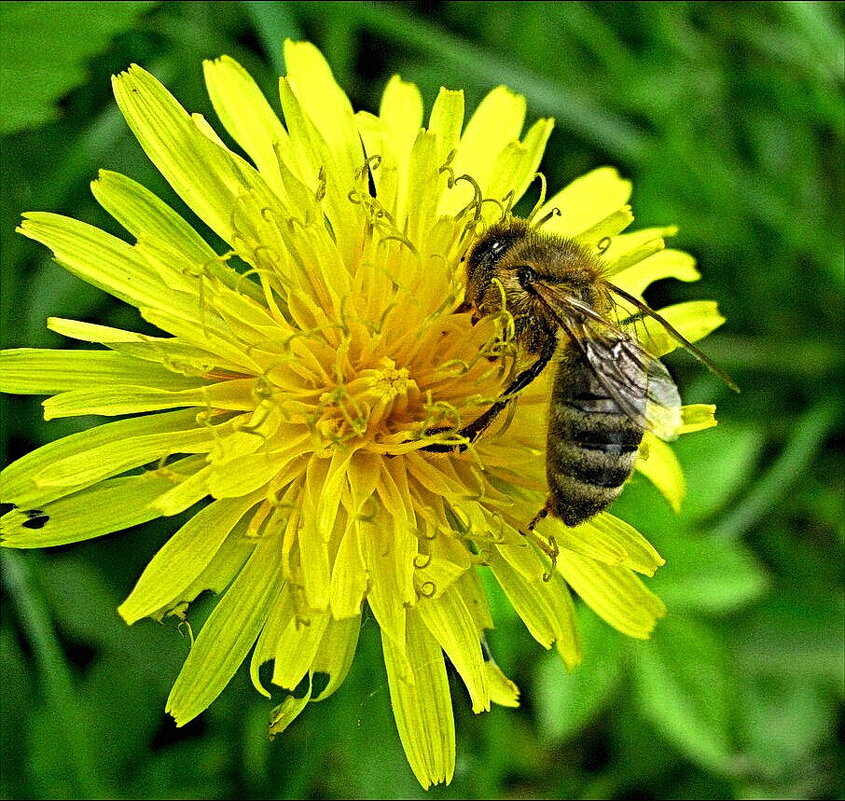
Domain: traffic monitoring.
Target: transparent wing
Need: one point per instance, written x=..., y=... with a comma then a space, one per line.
x=636, y=380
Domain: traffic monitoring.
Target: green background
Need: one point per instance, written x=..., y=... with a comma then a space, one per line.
x=729, y=118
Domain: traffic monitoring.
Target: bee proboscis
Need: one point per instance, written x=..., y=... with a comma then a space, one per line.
x=608, y=389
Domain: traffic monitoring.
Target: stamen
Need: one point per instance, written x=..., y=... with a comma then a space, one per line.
x=554, y=212
x=475, y=202
x=507, y=202
x=371, y=163
x=184, y=627
x=541, y=200
x=447, y=168
x=380, y=218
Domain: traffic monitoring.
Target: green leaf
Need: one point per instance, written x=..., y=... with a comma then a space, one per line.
x=565, y=702
x=684, y=688
x=716, y=463
x=796, y=635
x=706, y=574
x=785, y=721
x=43, y=55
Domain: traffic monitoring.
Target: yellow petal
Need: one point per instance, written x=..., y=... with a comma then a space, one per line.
x=448, y=618
x=207, y=177
x=425, y=182
x=314, y=561
x=662, y=468
x=324, y=172
x=100, y=259
x=79, y=516
x=334, y=656
x=697, y=416
x=228, y=634
x=384, y=595
x=637, y=552
x=667, y=263
x=111, y=458
x=296, y=645
x=694, y=319
x=401, y=113
x=502, y=690
x=613, y=592
x=17, y=481
x=248, y=117
x=421, y=704
x=177, y=253
x=496, y=123
x=544, y=606
x=516, y=166
x=289, y=710
x=113, y=399
x=446, y=121
x=183, y=558
x=586, y=201
x=630, y=249
x=349, y=576
x=595, y=237
x=516, y=550
x=185, y=492
x=34, y=371
x=311, y=79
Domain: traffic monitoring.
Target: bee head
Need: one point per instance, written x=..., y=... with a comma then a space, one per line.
x=483, y=259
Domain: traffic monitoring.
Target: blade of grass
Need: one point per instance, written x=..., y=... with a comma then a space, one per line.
x=571, y=109
x=273, y=23
x=794, y=460
x=33, y=613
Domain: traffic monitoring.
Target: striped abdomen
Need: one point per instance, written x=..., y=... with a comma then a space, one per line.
x=592, y=444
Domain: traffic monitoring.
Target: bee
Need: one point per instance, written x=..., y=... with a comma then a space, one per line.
x=608, y=389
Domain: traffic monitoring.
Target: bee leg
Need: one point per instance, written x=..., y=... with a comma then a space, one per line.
x=541, y=515
x=548, y=545
x=478, y=426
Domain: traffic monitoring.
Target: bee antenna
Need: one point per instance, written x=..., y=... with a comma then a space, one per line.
x=702, y=357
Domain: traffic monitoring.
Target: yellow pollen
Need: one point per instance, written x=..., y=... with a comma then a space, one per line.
x=372, y=404
x=391, y=382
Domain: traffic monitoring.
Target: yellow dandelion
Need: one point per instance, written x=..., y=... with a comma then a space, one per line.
x=303, y=373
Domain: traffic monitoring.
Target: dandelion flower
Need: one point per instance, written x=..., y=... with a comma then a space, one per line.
x=299, y=375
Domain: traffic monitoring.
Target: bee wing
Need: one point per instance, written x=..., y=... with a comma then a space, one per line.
x=635, y=379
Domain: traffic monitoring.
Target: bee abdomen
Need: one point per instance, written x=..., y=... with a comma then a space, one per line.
x=591, y=450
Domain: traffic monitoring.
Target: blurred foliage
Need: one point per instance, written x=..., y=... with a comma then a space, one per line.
x=729, y=118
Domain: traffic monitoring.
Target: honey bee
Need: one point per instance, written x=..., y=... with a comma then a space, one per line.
x=608, y=390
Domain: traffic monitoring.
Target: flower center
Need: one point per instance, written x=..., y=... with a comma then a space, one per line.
x=373, y=405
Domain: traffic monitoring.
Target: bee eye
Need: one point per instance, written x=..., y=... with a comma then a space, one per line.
x=496, y=247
